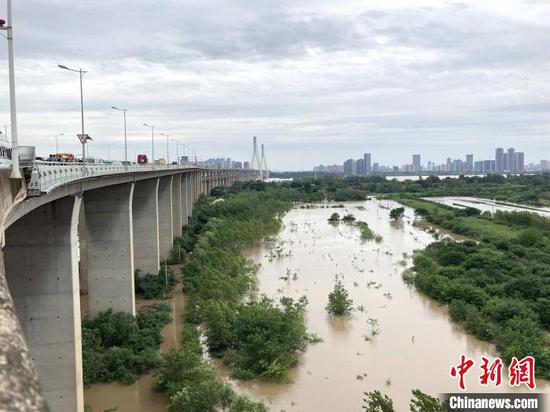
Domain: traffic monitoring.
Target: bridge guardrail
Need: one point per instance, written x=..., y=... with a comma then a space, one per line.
x=46, y=176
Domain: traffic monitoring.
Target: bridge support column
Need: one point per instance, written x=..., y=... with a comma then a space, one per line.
x=176, y=205
x=185, y=198
x=191, y=192
x=145, y=221
x=166, y=227
x=109, y=240
x=83, y=262
x=42, y=273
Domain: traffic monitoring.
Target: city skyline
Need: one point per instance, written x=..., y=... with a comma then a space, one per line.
x=504, y=161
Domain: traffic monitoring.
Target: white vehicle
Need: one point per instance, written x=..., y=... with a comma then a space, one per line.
x=5, y=153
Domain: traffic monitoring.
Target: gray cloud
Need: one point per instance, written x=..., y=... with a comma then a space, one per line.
x=333, y=78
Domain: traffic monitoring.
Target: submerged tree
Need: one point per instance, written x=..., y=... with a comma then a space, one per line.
x=348, y=218
x=339, y=303
x=376, y=402
x=422, y=402
x=397, y=213
x=335, y=217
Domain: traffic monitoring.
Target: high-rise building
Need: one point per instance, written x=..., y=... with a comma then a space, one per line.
x=367, y=165
x=246, y=165
x=416, y=163
x=349, y=167
x=448, y=166
x=499, y=160
x=375, y=167
x=457, y=165
x=360, y=166
x=520, y=162
x=469, y=163
x=511, y=160
x=488, y=166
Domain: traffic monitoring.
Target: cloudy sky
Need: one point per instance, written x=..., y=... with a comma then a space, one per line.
x=318, y=81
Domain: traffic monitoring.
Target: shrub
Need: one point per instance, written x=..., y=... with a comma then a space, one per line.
x=376, y=402
x=155, y=286
x=335, y=217
x=339, y=303
x=119, y=346
x=397, y=213
x=422, y=402
x=348, y=218
x=267, y=337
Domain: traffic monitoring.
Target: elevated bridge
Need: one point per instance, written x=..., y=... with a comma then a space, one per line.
x=69, y=229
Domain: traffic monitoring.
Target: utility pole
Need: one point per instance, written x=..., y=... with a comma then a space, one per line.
x=15, y=172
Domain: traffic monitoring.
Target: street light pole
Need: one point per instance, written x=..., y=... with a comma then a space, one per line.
x=167, y=147
x=125, y=139
x=152, y=143
x=83, y=137
x=15, y=172
x=177, y=151
x=57, y=142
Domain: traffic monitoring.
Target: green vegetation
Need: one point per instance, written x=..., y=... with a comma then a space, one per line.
x=497, y=286
x=191, y=383
x=339, y=303
x=420, y=402
x=376, y=402
x=348, y=218
x=119, y=346
x=367, y=233
x=527, y=189
x=258, y=338
x=158, y=286
x=335, y=217
x=397, y=213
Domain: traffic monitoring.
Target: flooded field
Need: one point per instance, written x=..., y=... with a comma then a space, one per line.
x=487, y=205
x=140, y=396
x=397, y=341
x=400, y=341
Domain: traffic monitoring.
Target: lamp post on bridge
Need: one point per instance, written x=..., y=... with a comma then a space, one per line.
x=8, y=27
x=83, y=137
x=167, y=147
x=125, y=139
x=178, y=142
x=152, y=143
x=57, y=142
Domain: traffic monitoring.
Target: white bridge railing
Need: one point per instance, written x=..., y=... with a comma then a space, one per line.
x=46, y=176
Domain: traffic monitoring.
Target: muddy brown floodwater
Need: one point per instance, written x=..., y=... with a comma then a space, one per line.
x=140, y=397
x=414, y=342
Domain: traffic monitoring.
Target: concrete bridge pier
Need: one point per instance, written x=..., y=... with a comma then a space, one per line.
x=196, y=187
x=176, y=205
x=166, y=227
x=192, y=192
x=110, y=247
x=145, y=221
x=42, y=273
x=185, y=198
